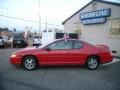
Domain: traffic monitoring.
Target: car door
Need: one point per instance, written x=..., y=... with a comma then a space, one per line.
x=56, y=53
x=77, y=54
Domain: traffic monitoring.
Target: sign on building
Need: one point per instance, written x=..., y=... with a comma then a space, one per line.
x=95, y=17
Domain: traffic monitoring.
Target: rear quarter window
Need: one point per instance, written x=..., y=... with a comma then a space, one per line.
x=77, y=45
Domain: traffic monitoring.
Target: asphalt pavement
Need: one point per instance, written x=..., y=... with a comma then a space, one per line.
x=106, y=77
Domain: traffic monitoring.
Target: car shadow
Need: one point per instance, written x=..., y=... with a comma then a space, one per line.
x=63, y=67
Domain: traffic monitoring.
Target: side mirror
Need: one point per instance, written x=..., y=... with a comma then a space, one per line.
x=47, y=48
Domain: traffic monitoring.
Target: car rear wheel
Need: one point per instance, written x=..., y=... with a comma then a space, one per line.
x=92, y=63
x=30, y=63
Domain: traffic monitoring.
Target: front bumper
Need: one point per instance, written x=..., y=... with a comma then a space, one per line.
x=15, y=60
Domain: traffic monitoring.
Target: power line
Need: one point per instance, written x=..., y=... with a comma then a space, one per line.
x=19, y=18
x=28, y=20
x=14, y=10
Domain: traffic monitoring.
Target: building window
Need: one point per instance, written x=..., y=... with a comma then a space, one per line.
x=77, y=28
x=114, y=30
x=94, y=6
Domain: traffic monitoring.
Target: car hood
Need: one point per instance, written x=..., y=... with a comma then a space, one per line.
x=28, y=50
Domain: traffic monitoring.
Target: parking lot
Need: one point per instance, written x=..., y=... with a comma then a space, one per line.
x=106, y=77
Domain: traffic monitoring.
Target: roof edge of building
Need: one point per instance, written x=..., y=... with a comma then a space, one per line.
x=107, y=2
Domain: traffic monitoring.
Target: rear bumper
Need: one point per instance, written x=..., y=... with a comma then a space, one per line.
x=22, y=44
x=19, y=43
x=106, y=59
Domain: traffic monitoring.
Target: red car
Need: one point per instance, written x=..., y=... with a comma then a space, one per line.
x=62, y=52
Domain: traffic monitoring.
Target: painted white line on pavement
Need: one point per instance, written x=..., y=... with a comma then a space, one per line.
x=114, y=60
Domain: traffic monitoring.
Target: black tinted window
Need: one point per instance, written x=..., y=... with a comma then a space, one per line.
x=61, y=45
x=77, y=44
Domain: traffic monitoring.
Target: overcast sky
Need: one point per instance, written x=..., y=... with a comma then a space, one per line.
x=51, y=11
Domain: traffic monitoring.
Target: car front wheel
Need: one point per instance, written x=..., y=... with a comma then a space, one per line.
x=92, y=63
x=30, y=63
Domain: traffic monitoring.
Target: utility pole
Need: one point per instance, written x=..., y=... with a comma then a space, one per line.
x=40, y=31
x=46, y=26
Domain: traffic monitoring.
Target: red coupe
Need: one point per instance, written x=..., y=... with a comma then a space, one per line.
x=62, y=52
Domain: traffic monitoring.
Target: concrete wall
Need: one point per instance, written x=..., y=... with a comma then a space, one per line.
x=97, y=33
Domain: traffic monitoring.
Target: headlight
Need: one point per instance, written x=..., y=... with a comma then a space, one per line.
x=13, y=55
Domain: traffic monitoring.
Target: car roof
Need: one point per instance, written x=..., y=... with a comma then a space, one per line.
x=67, y=39
x=73, y=40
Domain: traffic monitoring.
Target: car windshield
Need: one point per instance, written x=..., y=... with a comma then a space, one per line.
x=45, y=44
x=0, y=37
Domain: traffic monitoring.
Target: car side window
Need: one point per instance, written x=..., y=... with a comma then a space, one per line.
x=61, y=45
x=77, y=45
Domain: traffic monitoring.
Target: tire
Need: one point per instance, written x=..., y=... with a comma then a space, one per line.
x=4, y=46
x=14, y=46
x=92, y=63
x=30, y=63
